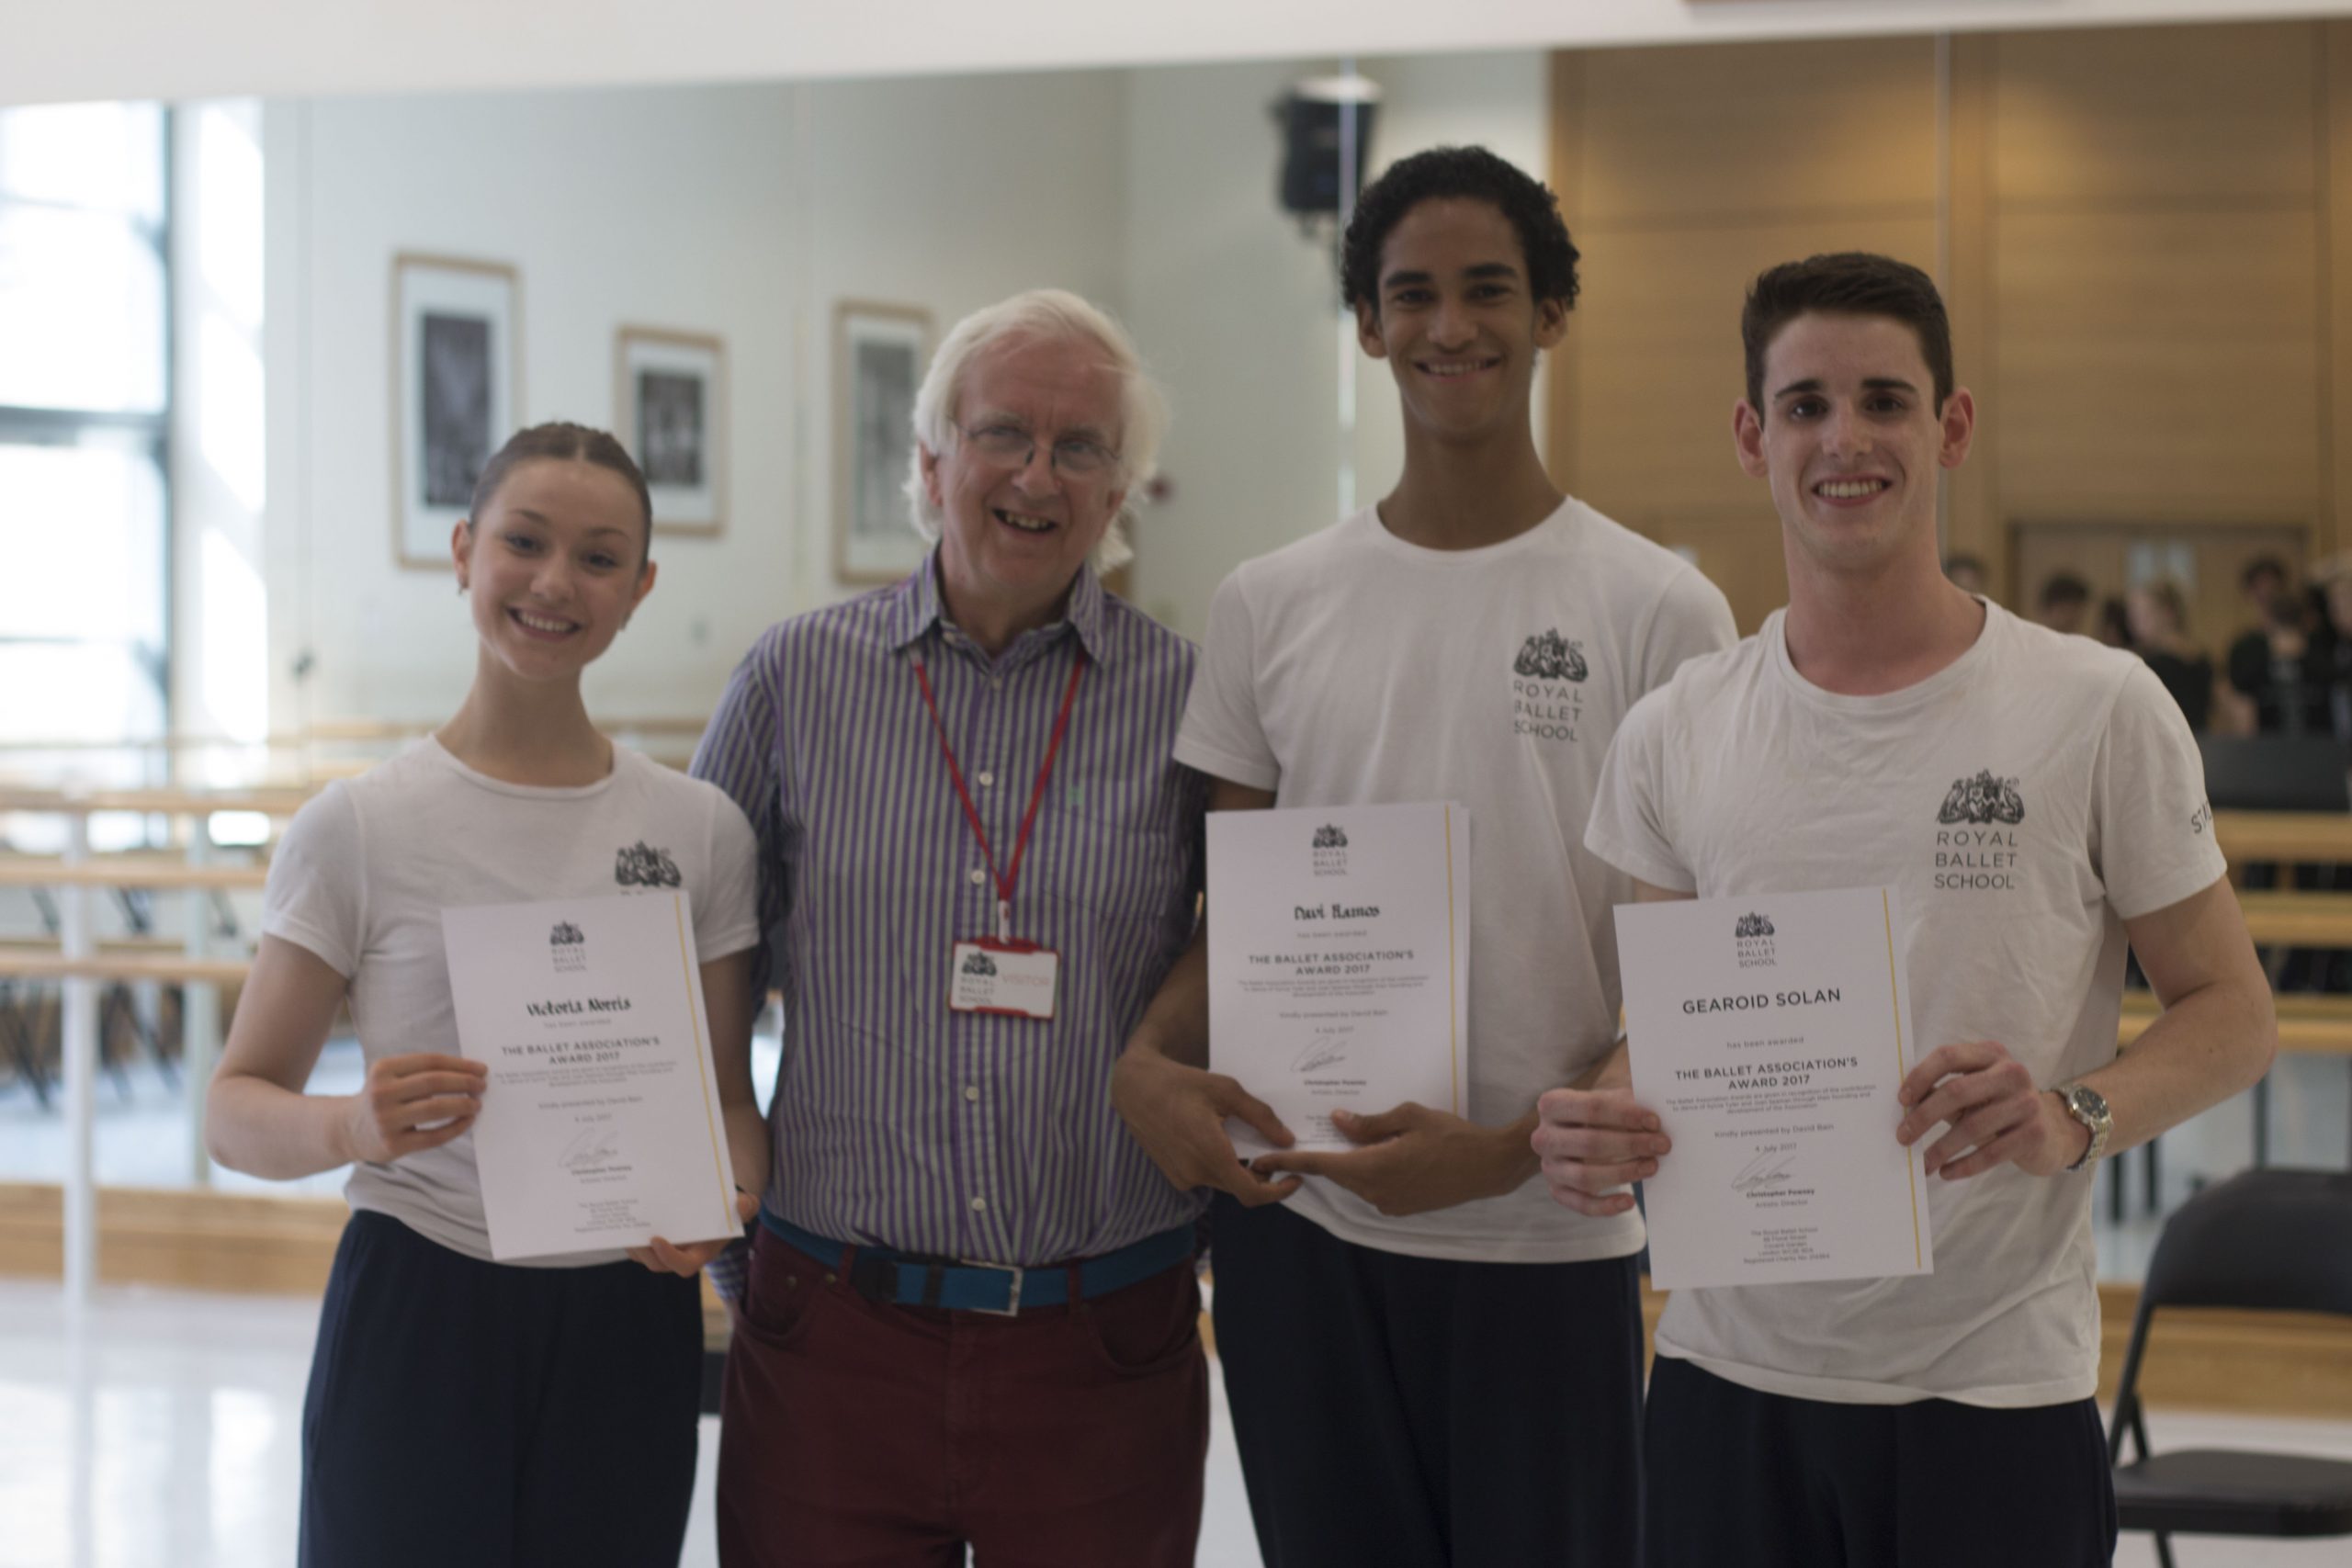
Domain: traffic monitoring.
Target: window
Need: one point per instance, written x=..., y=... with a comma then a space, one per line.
x=85, y=394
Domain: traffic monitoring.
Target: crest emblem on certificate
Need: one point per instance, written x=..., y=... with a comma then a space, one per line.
x=1330, y=851
x=1550, y=657
x=1983, y=800
x=1752, y=935
x=568, y=948
x=641, y=866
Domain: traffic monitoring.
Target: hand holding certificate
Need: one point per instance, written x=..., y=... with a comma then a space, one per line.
x=1771, y=1036
x=600, y=1126
x=1338, y=962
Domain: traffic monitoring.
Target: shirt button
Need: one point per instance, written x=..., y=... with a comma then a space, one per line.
x=984, y=778
x=979, y=1204
x=978, y=876
x=971, y=1092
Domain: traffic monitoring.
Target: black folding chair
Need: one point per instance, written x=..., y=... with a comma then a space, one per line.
x=2270, y=1240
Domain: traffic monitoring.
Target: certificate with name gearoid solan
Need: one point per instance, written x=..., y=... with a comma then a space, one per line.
x=1770, y=1034
x=600, y=1125
x=1340, y=961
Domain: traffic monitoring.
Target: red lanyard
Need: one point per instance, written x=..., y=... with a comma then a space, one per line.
x=1005, y=878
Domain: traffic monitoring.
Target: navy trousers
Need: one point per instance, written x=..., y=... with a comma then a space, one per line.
x=471, y=1415
x=1740, y=1479
x=1424, y=1412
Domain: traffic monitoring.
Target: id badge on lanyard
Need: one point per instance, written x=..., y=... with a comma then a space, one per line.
x=998, y=975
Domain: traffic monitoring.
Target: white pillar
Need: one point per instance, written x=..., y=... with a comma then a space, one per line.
x=199, y=1007
x=80, y=1028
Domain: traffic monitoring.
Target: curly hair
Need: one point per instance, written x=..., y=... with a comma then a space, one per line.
x=1466, y=173
x=1848, y=282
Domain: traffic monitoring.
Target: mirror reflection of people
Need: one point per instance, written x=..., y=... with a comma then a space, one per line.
x=967, y=1316
x=464, y=1412
x=2279, y=673
x=1948, y=1419
x=2063, y=603
x=2158, y=615
x=1425, y=1366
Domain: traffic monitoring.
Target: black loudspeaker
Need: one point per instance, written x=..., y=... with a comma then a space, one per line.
x=1312, y=117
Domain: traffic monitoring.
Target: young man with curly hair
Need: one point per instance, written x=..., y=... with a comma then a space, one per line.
x=1428, y=1363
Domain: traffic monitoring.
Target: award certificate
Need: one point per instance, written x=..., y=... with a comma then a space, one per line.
x=1770, y=1034
x=1340, y=961
x=600, y=1125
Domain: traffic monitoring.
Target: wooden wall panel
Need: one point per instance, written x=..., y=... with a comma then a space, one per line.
x=2121, y=116
x=2158, y=364
x=2145, y=235
x=1972, y=516
x=2336, y=266
x=1658, y=365
x=1714, y=134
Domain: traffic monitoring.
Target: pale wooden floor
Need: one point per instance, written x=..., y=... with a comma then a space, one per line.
x=163, y=1434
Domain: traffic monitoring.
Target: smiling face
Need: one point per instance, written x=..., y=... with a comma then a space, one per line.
x=553, y=565
x=1456, y=322
x=1852, y=441
x=1012, y=534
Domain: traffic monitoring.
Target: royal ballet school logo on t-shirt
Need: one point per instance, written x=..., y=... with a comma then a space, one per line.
x=568, y=948
x=639, y=866
x=1544, y=699
x=1330, y=851
x=977, y=963
x=1753, y=939
x=1976, y=842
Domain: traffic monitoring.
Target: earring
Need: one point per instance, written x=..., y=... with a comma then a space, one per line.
x=461, y=589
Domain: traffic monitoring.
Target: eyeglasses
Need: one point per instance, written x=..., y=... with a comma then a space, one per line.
x=1010, y=446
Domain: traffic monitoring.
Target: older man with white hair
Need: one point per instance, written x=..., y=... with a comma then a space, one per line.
x=967, y=1316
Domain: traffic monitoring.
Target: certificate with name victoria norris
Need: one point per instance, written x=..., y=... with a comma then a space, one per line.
x=1340, y=961
x=600, y=1125
x=1770, y=1034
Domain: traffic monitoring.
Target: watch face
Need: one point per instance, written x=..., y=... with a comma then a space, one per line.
x=2090, y=1102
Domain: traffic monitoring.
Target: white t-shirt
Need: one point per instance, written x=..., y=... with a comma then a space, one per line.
x=1352, y=668
x=2027, y=799
x=366, y=869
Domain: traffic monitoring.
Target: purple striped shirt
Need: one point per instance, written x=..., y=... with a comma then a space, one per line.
x=897, y=1122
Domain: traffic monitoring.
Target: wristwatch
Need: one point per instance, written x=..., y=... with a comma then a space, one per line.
x=2086, y=1105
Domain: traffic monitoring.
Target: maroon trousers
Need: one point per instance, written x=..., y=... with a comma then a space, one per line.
x=858, y=1433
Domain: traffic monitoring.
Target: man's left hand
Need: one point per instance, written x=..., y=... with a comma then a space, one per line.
x=1996, y=1115
x=1414, y=1159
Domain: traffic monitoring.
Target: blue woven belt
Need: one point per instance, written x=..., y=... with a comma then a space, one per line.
x=906, y=1278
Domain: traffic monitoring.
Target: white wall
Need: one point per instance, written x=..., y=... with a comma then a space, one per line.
x=654, y=207
x=740, y=211
x=170, y=49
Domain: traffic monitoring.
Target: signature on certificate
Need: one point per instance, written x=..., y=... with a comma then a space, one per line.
x=1764, y=1170
x=1321, y=1053
x=594, y=1147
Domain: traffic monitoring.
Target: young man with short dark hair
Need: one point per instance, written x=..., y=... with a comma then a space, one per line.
x=1429, y=1364
x=2041, y=805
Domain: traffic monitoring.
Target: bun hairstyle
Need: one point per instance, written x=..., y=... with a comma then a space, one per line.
x=572, y=443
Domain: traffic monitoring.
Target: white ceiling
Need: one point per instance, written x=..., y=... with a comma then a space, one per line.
x=54, y=50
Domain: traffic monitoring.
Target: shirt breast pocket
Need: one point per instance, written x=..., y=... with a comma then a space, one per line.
x=1130, y=881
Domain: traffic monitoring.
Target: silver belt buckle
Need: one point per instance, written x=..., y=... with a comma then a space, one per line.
x=1011, y=1307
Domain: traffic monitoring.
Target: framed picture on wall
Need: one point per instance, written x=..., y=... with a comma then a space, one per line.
x=457, y=392
x=879, y=355
x=671, y=410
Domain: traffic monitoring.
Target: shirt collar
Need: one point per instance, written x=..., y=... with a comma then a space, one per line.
x=916, y=607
